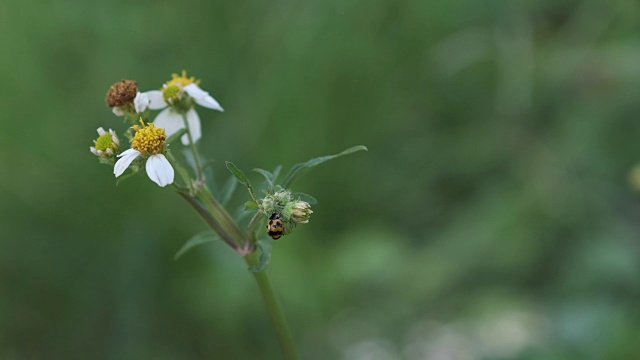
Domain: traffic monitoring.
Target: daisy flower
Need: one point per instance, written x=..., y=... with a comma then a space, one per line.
x=178, y=96
x=148, y=143
x=106, y=145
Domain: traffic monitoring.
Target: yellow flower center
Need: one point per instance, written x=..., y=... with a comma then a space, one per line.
x=182, y=80
x=105, y=142
x=149, y=139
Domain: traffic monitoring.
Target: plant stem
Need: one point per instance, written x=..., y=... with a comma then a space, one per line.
x=203, y=201
x=216, y=218
x=181, y=170
x=194, y=149
x=273, y=308
x=222, y=216
x=210, y=220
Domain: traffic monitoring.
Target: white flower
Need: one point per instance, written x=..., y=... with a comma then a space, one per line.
x=158, y=167
x=171, y=120
x=148, y=142
x=106, y=145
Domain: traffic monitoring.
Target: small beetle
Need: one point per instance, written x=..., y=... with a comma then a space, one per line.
x=275, y=227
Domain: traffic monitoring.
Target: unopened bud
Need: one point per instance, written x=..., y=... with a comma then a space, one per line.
x=106, y=145
x=300, y=211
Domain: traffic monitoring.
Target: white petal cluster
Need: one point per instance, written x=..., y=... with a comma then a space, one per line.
x=158, y=167
x=172, y=121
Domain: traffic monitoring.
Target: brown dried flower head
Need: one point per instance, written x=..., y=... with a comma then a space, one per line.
x=122, y=93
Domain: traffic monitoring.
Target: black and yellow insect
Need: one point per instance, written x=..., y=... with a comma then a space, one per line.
x=275, y=227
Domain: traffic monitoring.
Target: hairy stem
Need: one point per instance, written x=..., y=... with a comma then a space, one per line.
x=225, y=226
x=211, y=221
x=227, y=221
x=285, y=339
x=275, y=312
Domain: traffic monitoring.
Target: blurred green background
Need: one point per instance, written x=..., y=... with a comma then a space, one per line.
x=490, y=219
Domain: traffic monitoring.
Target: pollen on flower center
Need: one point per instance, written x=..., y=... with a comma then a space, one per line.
x=182, y=80
x=149, y=140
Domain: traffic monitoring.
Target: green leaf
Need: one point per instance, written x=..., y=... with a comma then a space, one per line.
x=299, y=168
x=198, y=239
x=177, y=135
x=276, y=173
x=244, y=180
x=251, y=205
x=267, y=175
x=228, y=189
x=265, y=255
x=306, y=197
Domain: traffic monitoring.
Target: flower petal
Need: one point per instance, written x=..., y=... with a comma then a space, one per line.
x=195, y=92
x=156, y=100
x=194, y=125
x=210, y=103
x=117, y=111
x=126, y=158
x=141, y=102
x=170, y=121
x=159, y=170
x=202, y=97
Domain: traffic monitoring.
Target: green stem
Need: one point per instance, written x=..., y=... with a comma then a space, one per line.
x=203, y=201
x=253, y=225
x=194, y=149
x=273, y=308
x=229, y=232
x=181, y=170
x=211, y=220
x=223, y=217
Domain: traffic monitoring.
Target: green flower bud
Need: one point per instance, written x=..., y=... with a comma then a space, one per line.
x=298, y=211
x=106, y=145
x=276, y=202
x=291, y=211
